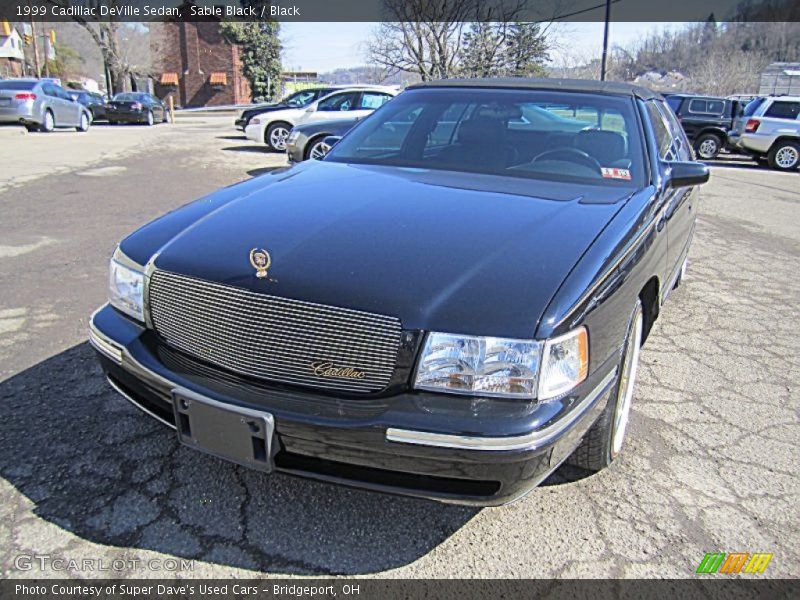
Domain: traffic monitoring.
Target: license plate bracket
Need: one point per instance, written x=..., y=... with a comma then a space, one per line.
x=241, y=435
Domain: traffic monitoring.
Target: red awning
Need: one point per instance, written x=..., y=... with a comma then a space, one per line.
x=169, y=79
x=218, y=78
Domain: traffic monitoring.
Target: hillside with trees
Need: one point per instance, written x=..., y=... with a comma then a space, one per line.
x=714, y=58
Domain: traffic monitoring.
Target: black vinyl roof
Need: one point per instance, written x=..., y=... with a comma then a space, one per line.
x=567, y=85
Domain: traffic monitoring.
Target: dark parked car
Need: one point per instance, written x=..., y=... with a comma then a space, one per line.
x=94, y=102
x=296, y=100
x=706, y=121
x=449, y=309
x=307, y=141
x=136, y=107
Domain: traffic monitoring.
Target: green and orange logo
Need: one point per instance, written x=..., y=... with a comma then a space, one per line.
x=734, y=562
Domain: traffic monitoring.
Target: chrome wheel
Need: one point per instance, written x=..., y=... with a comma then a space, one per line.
x=627, y=380
x=150, y=119
x=84, y=125
x=318, y=150
x=787, y=157
x=708, y=148
x=277, y=137
x=49, y=122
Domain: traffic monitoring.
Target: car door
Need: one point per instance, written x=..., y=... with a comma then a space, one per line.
x=336, y=106
x=60, y=114
x=72, y=108
x=679, y=214
x=157, y=108
x=701, y=113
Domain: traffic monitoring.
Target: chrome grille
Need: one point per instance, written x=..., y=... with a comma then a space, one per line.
x=272, y=338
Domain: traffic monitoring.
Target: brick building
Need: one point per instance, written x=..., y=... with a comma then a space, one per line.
x=198, y=66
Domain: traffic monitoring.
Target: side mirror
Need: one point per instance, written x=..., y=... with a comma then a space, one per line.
x=331, y=140
x=686, y=174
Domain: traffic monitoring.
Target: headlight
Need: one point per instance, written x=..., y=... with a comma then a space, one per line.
x=126, y=286
x=292, y=137
x=479, y=366
x=565, y=363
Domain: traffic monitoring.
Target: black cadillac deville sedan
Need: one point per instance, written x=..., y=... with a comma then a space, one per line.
x=450, y=305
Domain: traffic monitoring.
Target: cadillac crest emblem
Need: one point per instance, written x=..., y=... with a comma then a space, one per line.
x=261, y=260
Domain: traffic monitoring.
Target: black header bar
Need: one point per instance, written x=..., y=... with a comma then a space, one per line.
x=398, y=10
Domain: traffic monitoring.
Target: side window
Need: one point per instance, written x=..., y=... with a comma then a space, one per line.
x=663, y=137
x=682, y=150
x=706, y=107
x=50, y=90
x=373, y=100
x=339, y=102
x=697, y=106
x=783, y=110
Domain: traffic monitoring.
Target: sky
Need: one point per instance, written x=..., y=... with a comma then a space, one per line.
x=323, y=47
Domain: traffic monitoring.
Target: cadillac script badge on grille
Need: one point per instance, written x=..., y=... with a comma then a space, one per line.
x=328, y=369
x=261, y=260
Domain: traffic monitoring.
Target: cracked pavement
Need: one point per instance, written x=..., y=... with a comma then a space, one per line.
x=709, y=463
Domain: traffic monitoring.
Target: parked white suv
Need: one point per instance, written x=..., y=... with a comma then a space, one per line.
x=273, y=128
x=769, y=130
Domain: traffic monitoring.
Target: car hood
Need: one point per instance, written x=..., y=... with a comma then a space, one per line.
x=257, y=110
x=440, y=250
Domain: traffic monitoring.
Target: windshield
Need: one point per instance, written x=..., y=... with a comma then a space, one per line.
x=752, y=107
x=576, y=137
x=300, y=99
x=17, y=85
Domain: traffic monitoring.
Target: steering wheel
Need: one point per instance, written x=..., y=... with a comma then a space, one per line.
x=570, y=155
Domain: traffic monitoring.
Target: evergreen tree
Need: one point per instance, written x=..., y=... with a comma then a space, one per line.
x=261, y=52
x=514, y=49
x=482, y=51
x=526, y=50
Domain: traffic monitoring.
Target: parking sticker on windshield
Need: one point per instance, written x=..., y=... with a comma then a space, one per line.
x=616, y=173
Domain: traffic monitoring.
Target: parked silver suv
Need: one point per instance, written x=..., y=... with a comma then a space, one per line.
x=41, y=104
x=769, y=130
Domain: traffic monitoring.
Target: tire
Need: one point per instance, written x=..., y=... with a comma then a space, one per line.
x=49, y=122
x=275, y=136
x=150, y=118
x=784, y=156
x=708, y=146
x=317, y=149
x=84, y=124
x=603, y=442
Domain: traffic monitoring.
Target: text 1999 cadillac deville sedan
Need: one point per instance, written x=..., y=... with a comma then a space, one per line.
x=450, y=305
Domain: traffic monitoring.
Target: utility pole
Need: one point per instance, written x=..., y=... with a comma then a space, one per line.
x=35, y=49
x=605, y=41
x=46, y=56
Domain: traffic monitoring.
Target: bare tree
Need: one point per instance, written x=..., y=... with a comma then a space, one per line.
x=118, y=43
x=438, y=39
x=422, y=37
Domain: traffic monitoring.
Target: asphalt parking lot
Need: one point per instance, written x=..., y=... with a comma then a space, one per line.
x=711, y=457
